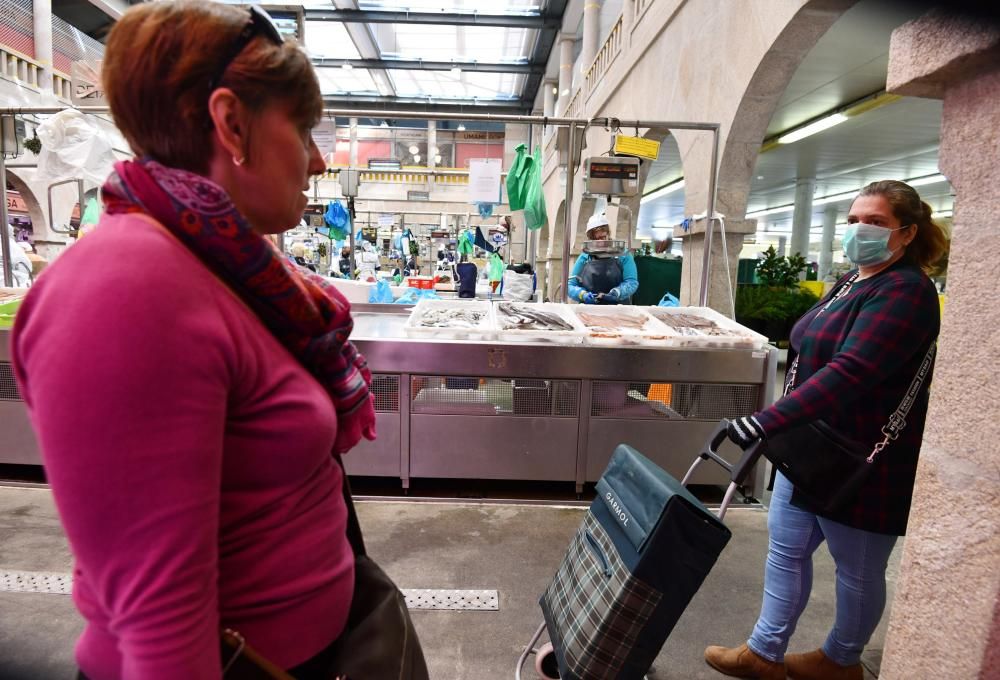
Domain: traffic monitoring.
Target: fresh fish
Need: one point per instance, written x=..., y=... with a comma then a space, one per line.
x=452, y=318
x=524, y=317
x=612, y=320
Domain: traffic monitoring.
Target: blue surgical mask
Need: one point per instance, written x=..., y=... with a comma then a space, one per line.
x=867, y=244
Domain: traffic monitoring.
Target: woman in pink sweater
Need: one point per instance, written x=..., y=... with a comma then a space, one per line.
x=187, y=384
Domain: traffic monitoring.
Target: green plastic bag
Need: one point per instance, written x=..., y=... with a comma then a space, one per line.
x=92, y=213
x=535, y=214
x=465, y=246
x=495, y=267
x=515, y=178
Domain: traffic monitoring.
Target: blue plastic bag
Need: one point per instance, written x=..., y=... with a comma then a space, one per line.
x=669, y=300
x=411, y=296
x=381, y=293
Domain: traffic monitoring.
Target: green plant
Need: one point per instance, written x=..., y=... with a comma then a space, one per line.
x=34, y=145
x=777, y=271
x=772, y=303
x=321, y=250
x=414, y=248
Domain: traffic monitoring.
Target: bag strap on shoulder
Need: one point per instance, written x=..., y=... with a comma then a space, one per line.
x=897, y=421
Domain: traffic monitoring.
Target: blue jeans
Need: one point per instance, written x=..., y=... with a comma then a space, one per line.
x=861, y=558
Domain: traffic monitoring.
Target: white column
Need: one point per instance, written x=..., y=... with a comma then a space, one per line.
x=42, y=13
x=353, y=129
x=782, y=245
x=591, y=34
x=802, y=217
x=432, y=140
x=826, y=244
x=565, y=72
x=549, y=98
x=628, y=17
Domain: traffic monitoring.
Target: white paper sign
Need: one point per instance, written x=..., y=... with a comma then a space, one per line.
x=484, y=180
x=386, y=220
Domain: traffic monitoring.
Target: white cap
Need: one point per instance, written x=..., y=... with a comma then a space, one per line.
x=596, y=221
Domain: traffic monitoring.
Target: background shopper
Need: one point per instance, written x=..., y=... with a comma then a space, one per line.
x=187, y=439
x=858, y=350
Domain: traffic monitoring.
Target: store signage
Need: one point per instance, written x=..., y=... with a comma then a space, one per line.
x=15, y=203
x=440, y=234
x=484, y=180
x=637, y=146
x=418, y=195
x=324, y=135
x=85, y=76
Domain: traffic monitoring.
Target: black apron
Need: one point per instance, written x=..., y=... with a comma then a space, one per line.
x=601, y=275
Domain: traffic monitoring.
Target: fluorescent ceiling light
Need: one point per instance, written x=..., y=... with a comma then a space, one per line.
x=921, y=181
x=833, y=198
x=942, y=213
x=812, y=128
x=383, y=164
x=346, y=66
x=662, y=191
x=455, y=70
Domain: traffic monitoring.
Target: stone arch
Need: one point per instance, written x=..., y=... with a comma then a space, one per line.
x=761, y=96
x=39, y=222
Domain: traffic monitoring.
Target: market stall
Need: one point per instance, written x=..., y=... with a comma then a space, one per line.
x=498, y=406
x=474, y=390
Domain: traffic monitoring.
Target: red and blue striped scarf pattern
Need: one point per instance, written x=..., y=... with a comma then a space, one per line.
x=304, y=312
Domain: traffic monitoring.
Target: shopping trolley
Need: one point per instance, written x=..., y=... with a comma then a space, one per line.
x=643, y=550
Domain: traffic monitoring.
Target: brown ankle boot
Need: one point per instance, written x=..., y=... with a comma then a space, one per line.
x=818, y=666
x=741, y=662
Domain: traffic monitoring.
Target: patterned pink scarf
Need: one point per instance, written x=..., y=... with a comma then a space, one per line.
x=305, y=313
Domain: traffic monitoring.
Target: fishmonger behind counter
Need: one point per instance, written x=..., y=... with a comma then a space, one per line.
x=605, y=272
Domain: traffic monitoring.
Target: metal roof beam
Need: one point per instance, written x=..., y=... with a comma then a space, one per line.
x=371, y=103
x=544, y=43
x=536, y=21
x=425, y=65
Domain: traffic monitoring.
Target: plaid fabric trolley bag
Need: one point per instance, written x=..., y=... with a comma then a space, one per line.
x=643, y=550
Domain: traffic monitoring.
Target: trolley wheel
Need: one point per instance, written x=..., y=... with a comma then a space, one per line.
x=545, y=662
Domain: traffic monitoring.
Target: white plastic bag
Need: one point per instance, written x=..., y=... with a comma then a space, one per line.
x=73, y=148
x=518, y=287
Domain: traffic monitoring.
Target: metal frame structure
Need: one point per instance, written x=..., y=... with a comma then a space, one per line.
x=535, y=20
x=573, y=124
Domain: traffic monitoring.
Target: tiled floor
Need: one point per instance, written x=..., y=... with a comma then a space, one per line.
x=513, y=549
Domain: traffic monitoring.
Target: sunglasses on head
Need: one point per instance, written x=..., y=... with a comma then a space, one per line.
x=258, y=24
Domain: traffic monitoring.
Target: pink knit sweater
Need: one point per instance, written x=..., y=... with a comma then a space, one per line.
x=189, y=457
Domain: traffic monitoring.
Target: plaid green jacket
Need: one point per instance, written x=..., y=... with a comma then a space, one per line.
x=856, y=361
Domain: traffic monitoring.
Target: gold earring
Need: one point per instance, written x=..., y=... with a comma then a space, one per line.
x=239, y=161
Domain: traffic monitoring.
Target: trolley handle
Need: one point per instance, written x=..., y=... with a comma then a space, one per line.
x=737, y=471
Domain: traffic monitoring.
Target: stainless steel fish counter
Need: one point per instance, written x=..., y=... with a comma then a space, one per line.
x=519, y=410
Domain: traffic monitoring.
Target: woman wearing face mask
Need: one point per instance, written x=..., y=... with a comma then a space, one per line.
x=858, y=351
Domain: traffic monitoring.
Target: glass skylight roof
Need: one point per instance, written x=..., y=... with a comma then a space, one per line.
x=447, y=85
x=330, y=40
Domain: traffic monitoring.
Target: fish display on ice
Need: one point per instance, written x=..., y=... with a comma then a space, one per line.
x=511, y=316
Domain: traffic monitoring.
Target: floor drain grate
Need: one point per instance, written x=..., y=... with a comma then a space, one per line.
x=477, y=600
x=36, y=582
x=416, y=598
